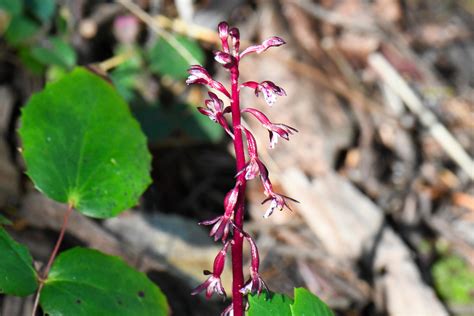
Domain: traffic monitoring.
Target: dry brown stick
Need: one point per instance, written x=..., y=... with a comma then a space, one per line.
x=148, y=20
x=334, y=18
x=439, y=132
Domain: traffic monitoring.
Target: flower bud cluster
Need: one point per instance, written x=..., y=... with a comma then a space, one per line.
x=223, y=226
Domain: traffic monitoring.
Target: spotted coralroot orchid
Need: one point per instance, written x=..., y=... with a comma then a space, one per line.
x=228, y=228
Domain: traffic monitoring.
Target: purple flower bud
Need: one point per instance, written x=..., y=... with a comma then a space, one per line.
x=268, y=88
x=274, y=41
x=223, y=29
x=251, y=84
x=278, y=202
x=219, y=261
x=235, y=35
x=214, y=284
x=224, y=58
x=275, y=129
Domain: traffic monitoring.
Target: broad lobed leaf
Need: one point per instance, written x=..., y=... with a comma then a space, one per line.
x=82, y=146
x=86, y=282
x=304, y=304
x=17, y=276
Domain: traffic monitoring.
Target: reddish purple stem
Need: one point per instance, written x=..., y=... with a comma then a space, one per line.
x=237, y=261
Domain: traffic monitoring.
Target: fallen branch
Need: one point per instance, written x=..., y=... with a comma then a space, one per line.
x=439, y=132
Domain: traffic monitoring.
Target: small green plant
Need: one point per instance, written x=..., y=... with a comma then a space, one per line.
x=454, y=280
x=82, y=147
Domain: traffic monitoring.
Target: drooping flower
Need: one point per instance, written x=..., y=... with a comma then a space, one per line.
x=275, y=129
x=274, y=41
x=255, y=284
x=278, y=202
x=254, y=165
x=199, y=75
x=214, y=284
x=268, y=89
x=222, y=225
x=215, y=111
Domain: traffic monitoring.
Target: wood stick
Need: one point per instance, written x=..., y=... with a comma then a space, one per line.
x=439, y=132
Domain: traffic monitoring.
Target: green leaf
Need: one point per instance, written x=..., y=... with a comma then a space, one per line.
x=29, y=61
x=308, y=304
x=13, y=7
x=82, y=146
x=55, y=51
x=166, y=60
x=17, y=276
x=86, y=282
x=126, y=75
x=304, y=304
x=454, y=280
x=42, y=9
x=20, y=30
x=4, y=220
x=269, y=305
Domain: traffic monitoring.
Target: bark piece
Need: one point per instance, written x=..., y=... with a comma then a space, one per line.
x=350, y=227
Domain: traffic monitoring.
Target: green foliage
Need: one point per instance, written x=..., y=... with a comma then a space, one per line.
x=269, y=305
x=41, y=9
x=13, y=7
x=20, y=30
x=454, y=280
x=82, y=146
x=166, y=60
x=17, y=276
x=304, y=304
x=160, y=123
x=87, y=282
x=4, y=220
x=308, y=304
x=126, y=76
x=55, y=51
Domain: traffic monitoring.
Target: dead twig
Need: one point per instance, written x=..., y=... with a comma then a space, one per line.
x=148, y=20
x=439, y=132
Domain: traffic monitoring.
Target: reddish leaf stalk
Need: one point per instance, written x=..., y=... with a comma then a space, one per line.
x=233, y=218
x=53, y=255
